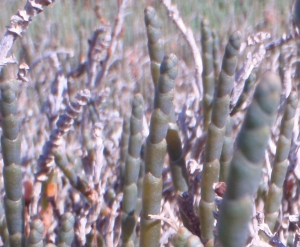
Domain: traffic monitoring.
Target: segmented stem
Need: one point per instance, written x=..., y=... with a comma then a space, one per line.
x=94, y=239
x=164, y=100
x=178, y=168
x=274, y=196
x=140, y=188
x=296, y=13
x=35, y=238
x=208, y=76
x=11, y=151
x=66, y=231
x=132, y=170
x=249, y=84
x=216, y=52
x=184, y=238
x=63, y=125
x=155, y=43
x=246, y=166
x=3, y=227
x=227, y=151
x=76, y=181
x=156, y=150
x=124, y=146
x=215, y=136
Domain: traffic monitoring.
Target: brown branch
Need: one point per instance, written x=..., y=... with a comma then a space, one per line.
x=284, y=39
x=189, y=37
x=186, y=206
x=63, y=125
x=252, y=61
x=97, y=53
x=53, y=56
x=18, y=25
x=113, y=44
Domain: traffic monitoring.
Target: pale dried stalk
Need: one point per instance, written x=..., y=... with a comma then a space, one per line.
x=63, y=125
x=262, y=226
x=109, y=238
x=55, y=98
x=18, y=25
x=97, y=53
x=189, y=37
x=290, y=60
x=285, y=38
x=255, y=39
x=253, y=61
x=113, y=44
x=166, y=220
x=99, y=179
x=53, y=55
x=297, y=238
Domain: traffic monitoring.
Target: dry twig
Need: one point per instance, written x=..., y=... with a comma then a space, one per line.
x=189, y=37
x=18, y=25
x=113, y=44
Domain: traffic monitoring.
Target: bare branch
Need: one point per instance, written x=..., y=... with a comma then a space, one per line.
x=285, y=38
x=63, y=125
x=252, y=61
x=18, y=25
x=113, y=44
x=189, y=37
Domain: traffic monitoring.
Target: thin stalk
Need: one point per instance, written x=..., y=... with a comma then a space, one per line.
x=124, y=146
x=249, y=84
x=280, y=166
x=76, y=181
x=296, y=13
x=155, y=43
x=140, y=188
x=208, y=72
x=227, y=151
x=3, y=227
x=216, y=51
x=132, y=169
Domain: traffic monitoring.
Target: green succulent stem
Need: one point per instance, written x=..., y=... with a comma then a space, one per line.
x=35, y=238
x=11, y=151
x=216, y=51
x=164, y=100
x=124, y=146
x=184, y=238
x=249, y=84
x=227, y=151
x=156, y=147
x=155, y=43
x=3, y=227
x=132, y=171
x=66, y=231
x=94, y=239
x=280, y=166
x=296, y=13
x=247, y=162
x=208, y=76
x=76, y=181
x=215, y=135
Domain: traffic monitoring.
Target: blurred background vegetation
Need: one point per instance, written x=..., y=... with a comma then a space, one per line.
x=64, y=22
x=58, y=41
